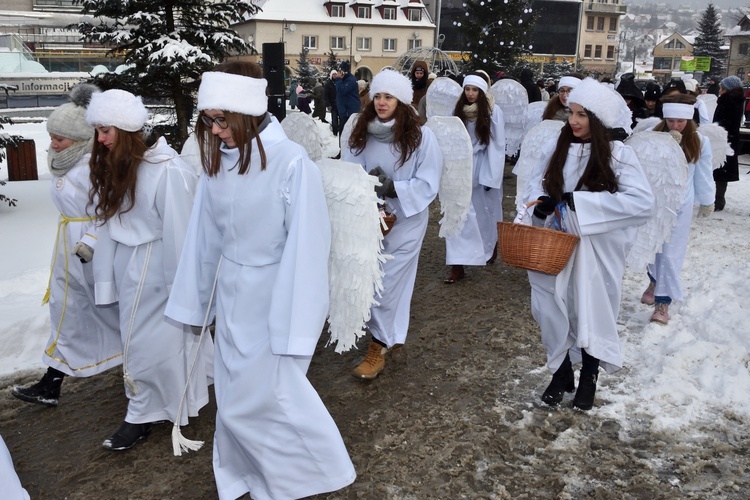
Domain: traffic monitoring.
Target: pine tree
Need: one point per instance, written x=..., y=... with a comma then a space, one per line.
x=306, y=72
x=708, y=42
x=168, y=43
x=496, y=33
x=331, y=63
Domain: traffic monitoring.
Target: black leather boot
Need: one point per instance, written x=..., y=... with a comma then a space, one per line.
x=45, y=392
x=584, y=399
x=127, y=436
x=720, y=201
x=562, y=381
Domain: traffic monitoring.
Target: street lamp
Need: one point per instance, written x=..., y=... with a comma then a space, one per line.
x=287, y=27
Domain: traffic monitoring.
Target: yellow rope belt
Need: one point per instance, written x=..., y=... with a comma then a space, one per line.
x=61, y=226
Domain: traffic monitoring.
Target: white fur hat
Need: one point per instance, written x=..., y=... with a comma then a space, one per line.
x=236, y=93
x=393, y=83
x=678, y=110
x=117, y=108
x=607, y=104
x=568, y=81
x=476, y=81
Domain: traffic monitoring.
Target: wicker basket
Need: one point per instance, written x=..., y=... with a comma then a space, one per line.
x=390, y=220
x=535, y=248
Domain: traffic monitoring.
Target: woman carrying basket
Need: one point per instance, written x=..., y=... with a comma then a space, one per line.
x=389, y=141
x=597, y=184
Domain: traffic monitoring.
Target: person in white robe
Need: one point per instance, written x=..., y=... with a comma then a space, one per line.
x=664, y=274
x=84, y=338
x=388, y=141
x=143, y=200
x=12, y=488
x=600, y=188
x=259, y=232
x=476, y=244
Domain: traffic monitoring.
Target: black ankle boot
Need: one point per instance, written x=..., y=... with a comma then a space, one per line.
x=45, y=392
x=584, y=399
x=562, y=381
x=127, y=436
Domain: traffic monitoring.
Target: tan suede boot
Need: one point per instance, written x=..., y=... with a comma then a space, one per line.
x=373, y=364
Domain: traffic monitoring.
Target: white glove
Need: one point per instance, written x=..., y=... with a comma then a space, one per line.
x=705, y=210
x=84, y=252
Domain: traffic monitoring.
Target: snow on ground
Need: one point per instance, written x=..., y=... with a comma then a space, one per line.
x=694, y=370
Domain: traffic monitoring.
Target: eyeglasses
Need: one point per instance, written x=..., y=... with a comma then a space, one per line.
x=220, y=121
x=564, y=91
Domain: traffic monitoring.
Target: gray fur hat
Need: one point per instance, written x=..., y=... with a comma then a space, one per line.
x=69, y=120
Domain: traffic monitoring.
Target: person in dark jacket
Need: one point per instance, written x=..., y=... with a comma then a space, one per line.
x=319, y=101
x=347, y=93
x=303, y=99
x=528, y=82
x=329, y=96
x=293, y=94
x=651, y=98
x=633, y=96
x=420, y=81
x=713, y=86
x=729, y=108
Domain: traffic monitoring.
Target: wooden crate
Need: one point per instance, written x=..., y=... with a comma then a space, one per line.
x=22, y=161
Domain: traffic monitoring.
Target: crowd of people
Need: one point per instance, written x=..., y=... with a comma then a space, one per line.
x=148, y=251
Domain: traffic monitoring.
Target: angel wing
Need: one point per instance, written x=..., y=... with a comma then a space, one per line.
x=355, y=271
x=513, y=99
x=646, y=124
x=346, y=132
x=456, y=180
x=720, y=148
x=710, y=101
x=538, y=141
x=534, y=113
x=303, y=130
x=665, y=166
x=191, y=153
x=442, y=96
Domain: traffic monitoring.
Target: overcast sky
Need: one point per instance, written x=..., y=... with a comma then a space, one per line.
x=697, y=4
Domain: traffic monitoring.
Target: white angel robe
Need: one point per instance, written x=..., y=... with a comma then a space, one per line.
x=274, y=437
x=578, y=308
x=477, y=241
x=416, y=182
x=135, y=263
x=700, y=189
x=85, y=338
x=12, y=489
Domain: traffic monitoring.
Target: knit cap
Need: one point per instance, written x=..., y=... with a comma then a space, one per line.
x=69, y=120
x=731, y=82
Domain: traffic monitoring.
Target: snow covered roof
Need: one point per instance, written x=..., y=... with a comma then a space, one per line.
x=314, y=11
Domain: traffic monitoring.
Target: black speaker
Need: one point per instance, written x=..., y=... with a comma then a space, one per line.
x=273, y=68
x=277, y=106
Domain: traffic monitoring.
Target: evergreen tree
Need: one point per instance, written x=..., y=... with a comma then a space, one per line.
x=168, y=43
x=306, y=72
x=559, y=68
x=5, y=141
x=496, y=33
x=708, y=42
x=330, y=63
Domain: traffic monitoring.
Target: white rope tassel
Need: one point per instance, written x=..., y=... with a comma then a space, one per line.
x=129, y=381
x=179, y=442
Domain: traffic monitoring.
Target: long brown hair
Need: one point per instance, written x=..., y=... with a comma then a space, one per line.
x=407, y=132
x=244, y=128
x=484, y=114
x=598, y=174
x=691, y=143
x=114, y=173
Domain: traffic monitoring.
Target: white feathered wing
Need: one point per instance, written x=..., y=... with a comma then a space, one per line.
x=718, y=138
x=539, y=140
x=442, y=96
x=534, y=113
x=302, y=129
x=646, y=124
x=355, y=264
x=665, y=166
x=711, y=102
x=511, y=97
x=456, y=179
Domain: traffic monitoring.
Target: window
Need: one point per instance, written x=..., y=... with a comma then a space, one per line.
x=742, y=49
x=679, y=45
x=587, y=51
x=310, y=42
x=598, y=52
x=415, y=14
x=389, y=13
x=610, y=52
x=590, y=23
x=337, y=11
x=599, y=24
x=364, y=43
x=414, y=43
x=363, y=12
x=669, y=45
x=612, y=24
x=337, y=43
x=389, y=44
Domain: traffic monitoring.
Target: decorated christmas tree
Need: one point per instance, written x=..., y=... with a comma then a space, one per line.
x=709, y=41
